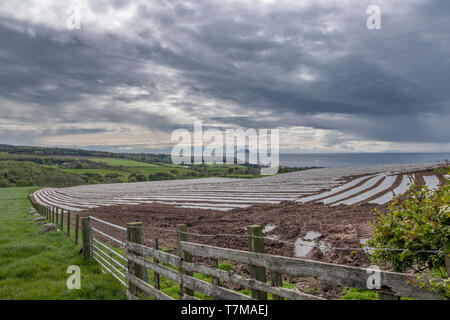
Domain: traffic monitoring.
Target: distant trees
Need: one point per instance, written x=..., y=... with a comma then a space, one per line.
x=292, y=169
x=23, y=174
x=137, y=177
x=45, y=152
x=161, y=176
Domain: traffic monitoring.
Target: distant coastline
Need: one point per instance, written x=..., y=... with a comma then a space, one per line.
x=334, y=160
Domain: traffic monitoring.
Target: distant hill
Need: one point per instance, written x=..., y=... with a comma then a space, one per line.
x=50, y=151
x=63, y=167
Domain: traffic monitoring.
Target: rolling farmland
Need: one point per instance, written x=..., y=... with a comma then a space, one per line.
x=305, y=214
x=330, y=186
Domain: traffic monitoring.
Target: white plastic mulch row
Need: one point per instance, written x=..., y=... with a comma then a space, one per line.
x=432, y=182
x=356, y=190
x=59, y=197
x=205, y=208
x=220, y=197
x=386, y=184
x=45, y=202
x=401, y=189
x=235, y=194
x=174, y=198
x=229, y=192
x=333, y=191
x=50, y=197
x=205, y=204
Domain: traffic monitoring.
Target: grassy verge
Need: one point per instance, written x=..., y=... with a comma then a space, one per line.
x=33, y=265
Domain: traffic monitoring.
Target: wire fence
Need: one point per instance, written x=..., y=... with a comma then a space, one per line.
x=115, y=263
x=105, y=253
x=304, y=243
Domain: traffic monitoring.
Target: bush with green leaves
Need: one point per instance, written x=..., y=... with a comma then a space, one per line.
x=161, y=176
x=137, y=177
x=23, y=173
x=420, y=221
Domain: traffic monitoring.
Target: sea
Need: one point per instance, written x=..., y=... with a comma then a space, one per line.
x=333, y=160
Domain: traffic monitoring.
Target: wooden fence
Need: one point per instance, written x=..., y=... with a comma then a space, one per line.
x=63, y=219
x=180, y=268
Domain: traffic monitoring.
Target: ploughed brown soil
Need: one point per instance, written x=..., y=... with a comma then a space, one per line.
x=340, y=226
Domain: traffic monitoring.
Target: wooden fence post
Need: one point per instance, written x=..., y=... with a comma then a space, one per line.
x=56, y=216
x=68, y=223
x=135, y=234
x=52, y=213
x=156, y=275
x=182, y=236
x=62, y=220
x=277, y=281
x=86, y=237
x=77, y=226
x=215, y=264
x=257, y=245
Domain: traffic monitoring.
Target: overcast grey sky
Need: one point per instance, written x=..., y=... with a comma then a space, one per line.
x=136, y=70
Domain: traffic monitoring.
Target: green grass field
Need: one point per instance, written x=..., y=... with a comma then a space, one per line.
x=33, y=265
x=122, y=162
x=101, y=171
x=146, y=170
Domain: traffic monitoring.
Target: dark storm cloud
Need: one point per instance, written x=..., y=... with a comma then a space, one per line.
x=317, y=66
